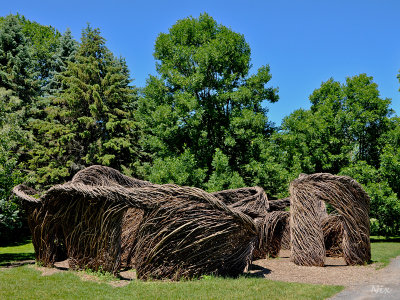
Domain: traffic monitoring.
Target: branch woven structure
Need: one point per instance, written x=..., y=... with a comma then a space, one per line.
x=332, y=228
x=254, y=202
x=272, y=233
x=103, y=218
x=306, y=218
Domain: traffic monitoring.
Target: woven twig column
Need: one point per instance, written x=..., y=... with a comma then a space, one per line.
x=352, y=204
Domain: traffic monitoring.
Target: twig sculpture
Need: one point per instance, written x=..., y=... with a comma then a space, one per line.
x=350, y=201
x=103, y=218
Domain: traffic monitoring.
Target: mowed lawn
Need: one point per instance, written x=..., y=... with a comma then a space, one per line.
x=25, y=282
x=383, y=249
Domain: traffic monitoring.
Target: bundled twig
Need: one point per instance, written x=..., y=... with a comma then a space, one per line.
x=191, y=233
x=130, y=225
x=106, y=176
x=349, y=200
x=271, y=234
x=252, y=201
x=285, y=242
x=332, y=228
x=103, y=218
x=279, y=204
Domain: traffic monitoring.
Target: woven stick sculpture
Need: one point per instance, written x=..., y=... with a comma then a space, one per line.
x=254, y=202
x=279, y=204
x=271, y=234
x=190, y=233
x=270, y=216
x=103, y=218
x=352, y=204
x=332, y=227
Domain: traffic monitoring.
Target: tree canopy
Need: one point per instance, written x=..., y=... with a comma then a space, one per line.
x=204, y=102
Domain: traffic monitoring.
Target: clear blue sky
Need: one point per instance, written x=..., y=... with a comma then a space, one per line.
x=305, y=42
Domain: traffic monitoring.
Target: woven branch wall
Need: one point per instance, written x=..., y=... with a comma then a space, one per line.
x=103, y=218
x=254, y=202
x=332, y=227
x=271, y=234
x=306, y=218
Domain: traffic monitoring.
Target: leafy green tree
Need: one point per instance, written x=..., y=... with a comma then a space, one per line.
x=385, y=206
x=181, y=170
x=204, y=98
x=390, y=157
x=11, y=136
x=366, y=118
x=91, y=119
x=344, y=124
x=223, y=177
x=268, y=170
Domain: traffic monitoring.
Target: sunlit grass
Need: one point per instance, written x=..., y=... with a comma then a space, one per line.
x=26, y=282
x=17, y=252
x=384, y=249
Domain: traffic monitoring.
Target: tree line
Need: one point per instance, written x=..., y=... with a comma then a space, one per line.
x=201, y=121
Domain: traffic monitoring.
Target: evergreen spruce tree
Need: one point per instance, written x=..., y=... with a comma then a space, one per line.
x=11, y=137
x=44, y=42
x=64, y=53
x=91, y=120
x=16, y=63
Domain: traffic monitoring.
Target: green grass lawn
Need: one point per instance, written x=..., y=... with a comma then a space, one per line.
x=383, y=249
x=16, y=252
x=25, y=282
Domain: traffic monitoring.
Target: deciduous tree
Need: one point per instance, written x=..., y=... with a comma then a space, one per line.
x=204, y=99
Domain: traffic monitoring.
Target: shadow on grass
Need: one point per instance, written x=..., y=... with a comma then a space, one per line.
x=21, y=241
x=8, y=259
x=385, y=240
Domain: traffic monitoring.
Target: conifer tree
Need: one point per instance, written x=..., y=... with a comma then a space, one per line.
x=91, y=120
x=16, y=63
x=64, y=53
